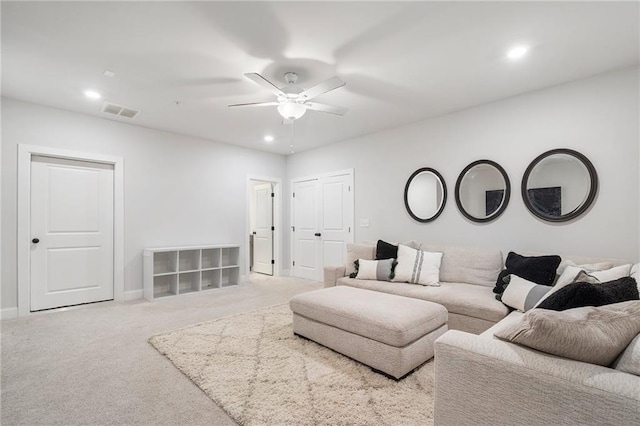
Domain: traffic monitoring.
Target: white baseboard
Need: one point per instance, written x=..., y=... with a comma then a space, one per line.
x=8, y=313
x=286, y=272
x=132, y=295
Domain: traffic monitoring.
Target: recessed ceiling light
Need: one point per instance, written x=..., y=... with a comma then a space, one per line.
x=268, y=138
x=517, y=52
x=92, y=94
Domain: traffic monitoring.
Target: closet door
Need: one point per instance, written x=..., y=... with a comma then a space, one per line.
x=306, y=230
x=322, y=223
x=71, y=232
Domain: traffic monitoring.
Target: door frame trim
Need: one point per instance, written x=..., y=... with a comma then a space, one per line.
x=277, y=222
x=352, y=210
x=25, y=152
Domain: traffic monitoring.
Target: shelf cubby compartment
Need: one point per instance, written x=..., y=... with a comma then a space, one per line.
x=210, y=258
x=229, y=276
x=165, y=285
x=165, y=262
x=229, y=256
x=210, y=279
x=188, y=260
x=189, y=282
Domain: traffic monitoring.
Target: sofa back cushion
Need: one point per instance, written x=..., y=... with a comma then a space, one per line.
x=358, y=251
x=468, y=265
x=629, y=360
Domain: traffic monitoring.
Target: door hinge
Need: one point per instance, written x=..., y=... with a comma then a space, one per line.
x=349, y=188
x=294, y=195
x=273, y=262
x=273, y=195
x=294, y=263
x=273, y=228
x=349, y=229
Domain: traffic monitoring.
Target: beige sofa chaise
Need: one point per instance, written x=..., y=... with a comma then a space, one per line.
x=481, y=380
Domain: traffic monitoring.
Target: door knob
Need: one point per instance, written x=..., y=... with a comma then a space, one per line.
x=35, y=241
x=317, y=234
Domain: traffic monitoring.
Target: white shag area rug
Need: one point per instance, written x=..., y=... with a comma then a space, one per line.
x=260, y=373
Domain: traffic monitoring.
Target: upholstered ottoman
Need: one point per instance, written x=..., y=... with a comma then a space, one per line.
x=392, y=334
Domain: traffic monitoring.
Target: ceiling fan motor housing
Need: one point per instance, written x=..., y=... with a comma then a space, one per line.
x=290, y=77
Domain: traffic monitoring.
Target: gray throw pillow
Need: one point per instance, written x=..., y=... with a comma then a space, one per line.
x=596, y=335
x=522, y=294
x=380, y=270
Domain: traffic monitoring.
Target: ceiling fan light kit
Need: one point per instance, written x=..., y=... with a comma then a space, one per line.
x=291, y=110
x=293, y=101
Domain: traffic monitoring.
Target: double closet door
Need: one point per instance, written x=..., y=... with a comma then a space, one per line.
x=322, y=223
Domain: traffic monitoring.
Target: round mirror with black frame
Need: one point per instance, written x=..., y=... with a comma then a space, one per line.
x=559, y=185
x=425, y=194
x=482, y=191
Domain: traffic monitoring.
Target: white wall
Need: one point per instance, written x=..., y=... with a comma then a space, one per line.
x=178, y=190
x=596, y=116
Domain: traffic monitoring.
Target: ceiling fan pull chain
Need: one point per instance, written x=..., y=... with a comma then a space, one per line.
x=292, y=122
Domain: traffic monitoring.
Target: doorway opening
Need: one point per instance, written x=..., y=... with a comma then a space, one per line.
x=263, y=225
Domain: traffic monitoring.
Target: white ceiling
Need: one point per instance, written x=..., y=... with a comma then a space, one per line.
x=402, y=61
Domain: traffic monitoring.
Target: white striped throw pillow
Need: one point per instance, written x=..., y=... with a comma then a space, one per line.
x=417, y=266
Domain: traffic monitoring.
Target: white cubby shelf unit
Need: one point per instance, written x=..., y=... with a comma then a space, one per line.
x=169, y=271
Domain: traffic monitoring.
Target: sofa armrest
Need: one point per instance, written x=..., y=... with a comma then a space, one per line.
x=484, y=381
x=332, y=273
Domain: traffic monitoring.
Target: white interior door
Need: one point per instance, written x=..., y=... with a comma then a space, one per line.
x=335, y=223
x=322, y=221
x=263, y=231
x=307, y=262
x=71, y=226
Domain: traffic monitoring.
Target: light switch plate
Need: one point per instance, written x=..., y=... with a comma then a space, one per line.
x=364, y=223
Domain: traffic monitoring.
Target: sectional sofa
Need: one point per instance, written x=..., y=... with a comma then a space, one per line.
x=483, y=380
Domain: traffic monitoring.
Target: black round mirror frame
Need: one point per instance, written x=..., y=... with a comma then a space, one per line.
x=505, y=201
x=593, y=189
x=444, y=194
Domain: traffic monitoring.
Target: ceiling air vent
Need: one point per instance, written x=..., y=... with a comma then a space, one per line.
x=119, y=110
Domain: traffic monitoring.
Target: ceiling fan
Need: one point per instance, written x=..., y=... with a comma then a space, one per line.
x=293, y=101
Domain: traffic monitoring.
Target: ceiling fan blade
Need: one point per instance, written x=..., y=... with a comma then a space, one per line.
x=324, y=87
x=255, y=104
x=260, y=80
x=331, y=109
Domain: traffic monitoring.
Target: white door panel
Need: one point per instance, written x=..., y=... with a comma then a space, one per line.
x=73, y=268
x=305, y=212
x=337, y=217
x=72, y=217
x=263, y=233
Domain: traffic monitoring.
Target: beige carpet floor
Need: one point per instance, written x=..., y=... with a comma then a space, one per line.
x=260, y=373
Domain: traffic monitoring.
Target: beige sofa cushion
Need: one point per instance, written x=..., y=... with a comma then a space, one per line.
x=596, y=335
x=629, y=360
x=459, y=298
x=389, y=319
x=468, y=265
